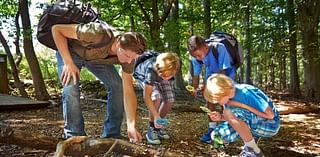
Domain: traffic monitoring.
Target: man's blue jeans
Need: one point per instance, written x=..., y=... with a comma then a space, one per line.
x=72, y=112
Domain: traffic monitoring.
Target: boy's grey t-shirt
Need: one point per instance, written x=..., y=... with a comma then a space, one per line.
x=93, y=33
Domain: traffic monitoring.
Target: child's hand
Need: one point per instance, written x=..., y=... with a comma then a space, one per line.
x=161, y=122
x=215, y=116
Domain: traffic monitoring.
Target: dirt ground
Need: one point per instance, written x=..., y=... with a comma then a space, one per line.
x=299, y=134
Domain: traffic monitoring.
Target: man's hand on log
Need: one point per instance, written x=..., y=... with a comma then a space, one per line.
x=134, y=135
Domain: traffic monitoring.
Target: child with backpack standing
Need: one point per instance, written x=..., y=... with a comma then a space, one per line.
x=248, y=113
x=154, y=73
x=202, y=54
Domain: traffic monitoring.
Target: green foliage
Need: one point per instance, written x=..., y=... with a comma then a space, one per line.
x=268, y=31
x=48, y=66
x=8, y=8
x=86, y=75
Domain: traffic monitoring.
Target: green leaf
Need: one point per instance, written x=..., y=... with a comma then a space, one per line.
x=205, y=109
x=217, y=142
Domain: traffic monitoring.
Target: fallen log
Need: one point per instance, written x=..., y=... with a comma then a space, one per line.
x=81, y=145
x=21, y=138
x=78, y=145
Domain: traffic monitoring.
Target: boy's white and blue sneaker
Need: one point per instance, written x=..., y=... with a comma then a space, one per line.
x=206, y=138
x=249, y=152
x=152, y=136
x=162, y=134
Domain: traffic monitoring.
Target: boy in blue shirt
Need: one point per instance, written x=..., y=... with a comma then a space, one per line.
x=202, y=54
x=248, y=113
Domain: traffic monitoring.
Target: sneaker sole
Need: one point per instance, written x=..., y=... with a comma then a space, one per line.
x=164, y=137
x=152, y=141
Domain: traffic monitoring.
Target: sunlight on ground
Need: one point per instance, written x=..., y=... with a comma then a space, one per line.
x=302, y=117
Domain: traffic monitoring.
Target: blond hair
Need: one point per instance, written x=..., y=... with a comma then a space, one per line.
x=218, y=86
x=167, y=64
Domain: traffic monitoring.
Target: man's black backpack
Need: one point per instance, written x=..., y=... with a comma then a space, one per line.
x=63, y=12
x=230, y=42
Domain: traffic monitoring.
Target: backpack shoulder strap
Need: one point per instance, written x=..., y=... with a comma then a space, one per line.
x=147, y=55
x=214, y=50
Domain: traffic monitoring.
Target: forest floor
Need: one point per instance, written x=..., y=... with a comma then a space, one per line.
x=299, y=134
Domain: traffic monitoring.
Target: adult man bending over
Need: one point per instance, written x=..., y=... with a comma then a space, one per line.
x=98, y=46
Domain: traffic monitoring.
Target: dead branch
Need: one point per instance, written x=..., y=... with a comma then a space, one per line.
x=78, y=145
x=81, y=146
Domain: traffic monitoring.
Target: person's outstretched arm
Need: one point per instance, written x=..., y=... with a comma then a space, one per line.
x=130, y=106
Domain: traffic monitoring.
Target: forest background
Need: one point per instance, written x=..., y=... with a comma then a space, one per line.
x=280, y=38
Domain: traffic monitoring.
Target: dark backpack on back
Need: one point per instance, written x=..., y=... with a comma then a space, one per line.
x=145, y=56
x=63, y=12
x=230, y=42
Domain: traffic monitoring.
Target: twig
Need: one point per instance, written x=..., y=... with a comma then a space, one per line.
x=110, y=149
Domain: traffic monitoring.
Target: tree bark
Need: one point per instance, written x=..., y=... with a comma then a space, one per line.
x=207, y=18
x=248, y=45
x=17, y=41
x=40, y=88
x=155, y=21
x=309, y=12
x=173, y=36
x=294, y=76
x=15, y=72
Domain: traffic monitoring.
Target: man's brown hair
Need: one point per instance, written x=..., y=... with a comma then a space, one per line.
x=133, y=41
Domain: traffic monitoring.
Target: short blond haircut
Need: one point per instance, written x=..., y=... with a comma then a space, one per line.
x=218, y=86
x=167, y=64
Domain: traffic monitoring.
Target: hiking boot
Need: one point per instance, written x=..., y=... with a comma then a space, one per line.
x=249, y=152
x=206, y=138
x=152, y=136
x=162, y=134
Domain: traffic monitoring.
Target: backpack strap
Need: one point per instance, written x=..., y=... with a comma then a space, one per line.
x=147, y=55
x=214, y=50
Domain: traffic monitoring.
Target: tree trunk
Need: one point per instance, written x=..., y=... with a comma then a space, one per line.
x=207, y=18
x=248, y=45
x=309, y=12
x=283, y=77
x=294, y=76
x=40, y=88
x=155, y=21
x=15, y=72
x=173, y=37
x=17, y=41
